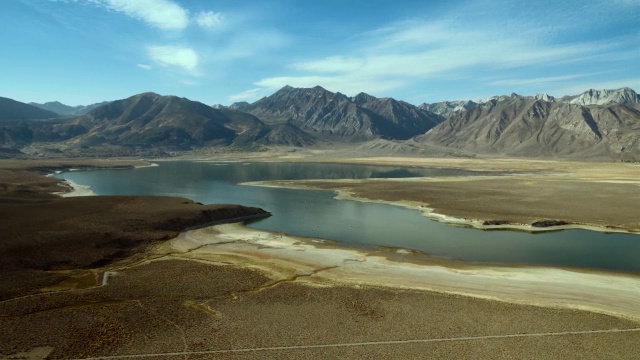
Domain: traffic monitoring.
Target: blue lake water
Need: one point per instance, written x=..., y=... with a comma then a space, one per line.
x=317, y=214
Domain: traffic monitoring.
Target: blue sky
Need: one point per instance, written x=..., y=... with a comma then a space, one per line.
x=85, y=51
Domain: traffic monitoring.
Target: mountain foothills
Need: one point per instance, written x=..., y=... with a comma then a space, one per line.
x=597, y=124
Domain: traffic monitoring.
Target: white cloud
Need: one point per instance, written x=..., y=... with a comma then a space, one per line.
x=163, y=14
x=534, y=81
x=144, y=66
x=433, y=50
x=411, y=52
x=331, y=64
x=248, y=95
x=188, y=82
x=174, y=55
x=209, y=19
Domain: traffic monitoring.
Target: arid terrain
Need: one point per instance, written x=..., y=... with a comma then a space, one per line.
x=230, y=292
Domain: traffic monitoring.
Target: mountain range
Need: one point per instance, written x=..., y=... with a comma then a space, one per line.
x=529, y=126
x=66, y=110
x=623, y=96
x=597, y=124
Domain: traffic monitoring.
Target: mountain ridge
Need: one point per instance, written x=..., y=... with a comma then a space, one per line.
x=66, y=110
x=624, y=95
x=335, y=116
x=525, y=126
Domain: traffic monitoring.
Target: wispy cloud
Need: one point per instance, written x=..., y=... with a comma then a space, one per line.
x=209, y=19
x=162, y=14
x=535, y=81
x=406, y=52
x=332, y=64
x=189, y=82
x=250, y=42
x=249, y=95
x=621, y=2
x=178, y=56
x=144, y=66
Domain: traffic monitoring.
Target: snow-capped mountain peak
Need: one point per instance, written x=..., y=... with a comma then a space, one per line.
x=606, y=97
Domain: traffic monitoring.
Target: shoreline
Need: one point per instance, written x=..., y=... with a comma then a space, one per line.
x=324, y=263
x=430, y=213
x=75, y=189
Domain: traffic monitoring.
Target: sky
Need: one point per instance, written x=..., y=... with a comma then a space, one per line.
x=81, y=52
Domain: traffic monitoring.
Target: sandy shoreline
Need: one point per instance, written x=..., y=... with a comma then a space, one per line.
x=75, y=189
x=323, y=263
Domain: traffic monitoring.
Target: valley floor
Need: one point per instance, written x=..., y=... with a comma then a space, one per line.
x=232, y=292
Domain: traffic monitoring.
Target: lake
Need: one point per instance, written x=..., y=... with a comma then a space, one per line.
x=314, y=213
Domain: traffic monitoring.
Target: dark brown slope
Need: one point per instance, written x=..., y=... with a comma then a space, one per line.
x=519, y=126
x=334, y=116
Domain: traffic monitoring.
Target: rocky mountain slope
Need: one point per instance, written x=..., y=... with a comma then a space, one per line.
x=529, y=126
x=66, y=110
x=335, y=116
x=448, y=108
x=406, y=117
